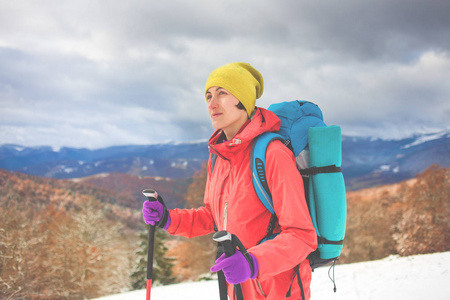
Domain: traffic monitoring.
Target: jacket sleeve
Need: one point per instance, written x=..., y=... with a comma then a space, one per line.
x=191, y=222
x=297, y=237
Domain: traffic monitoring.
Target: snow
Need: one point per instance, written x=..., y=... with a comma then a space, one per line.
x=176, y=143
x=426, y=138
x=397, y=278
x=68, y=170
x=18, y=148
x=388, y=168
x=385, y=168
x=193, y=142
x=180, y=164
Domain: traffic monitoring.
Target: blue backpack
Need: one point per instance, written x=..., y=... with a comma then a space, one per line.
x=317, y=149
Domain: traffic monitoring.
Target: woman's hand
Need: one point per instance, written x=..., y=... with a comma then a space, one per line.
x=156, y=213
x=236, y=268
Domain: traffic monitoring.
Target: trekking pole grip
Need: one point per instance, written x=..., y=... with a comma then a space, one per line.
x=151, y=195
x=229, y=247
x=226, y=240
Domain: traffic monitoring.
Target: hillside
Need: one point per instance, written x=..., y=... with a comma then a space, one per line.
x=63, y=234
x=61, y=239
x=130, y=187
x=412, y=217
x=36, y=192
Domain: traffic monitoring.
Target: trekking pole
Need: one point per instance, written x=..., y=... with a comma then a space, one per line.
x=151, y=195
x=226, y=240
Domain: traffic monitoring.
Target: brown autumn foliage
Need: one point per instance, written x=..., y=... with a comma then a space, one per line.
x=424, y=224
x=58, y=241
x=130, y=188
x=412, y=217
x=194, y=256
x=61, y=239
x=196, y=191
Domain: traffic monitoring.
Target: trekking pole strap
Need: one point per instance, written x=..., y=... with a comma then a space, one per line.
x=300, y=283
x=245, y=253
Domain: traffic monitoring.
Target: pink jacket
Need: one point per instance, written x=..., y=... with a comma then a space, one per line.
x=231, y=204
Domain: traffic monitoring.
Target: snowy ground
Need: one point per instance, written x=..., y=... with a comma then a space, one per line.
x=396, y=278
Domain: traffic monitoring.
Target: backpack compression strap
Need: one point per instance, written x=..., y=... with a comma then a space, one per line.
x=319, y=170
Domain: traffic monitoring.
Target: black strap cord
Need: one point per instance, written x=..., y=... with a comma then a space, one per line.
x=245, y=253
x=300, y=283
x=329, y=276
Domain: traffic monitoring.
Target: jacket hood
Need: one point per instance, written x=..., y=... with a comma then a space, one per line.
x=263, y=121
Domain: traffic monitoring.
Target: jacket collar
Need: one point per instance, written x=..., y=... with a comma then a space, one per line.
x=262, y=121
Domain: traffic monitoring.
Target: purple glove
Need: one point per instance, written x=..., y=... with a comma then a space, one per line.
x=155, y=213
x=236, y=268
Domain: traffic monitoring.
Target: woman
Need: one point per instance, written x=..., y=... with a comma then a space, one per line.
x=231, y=202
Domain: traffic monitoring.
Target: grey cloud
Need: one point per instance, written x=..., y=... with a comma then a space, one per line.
x=111, y=72
x=365, y=29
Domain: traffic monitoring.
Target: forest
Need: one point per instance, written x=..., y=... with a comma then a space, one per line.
x=81, y=239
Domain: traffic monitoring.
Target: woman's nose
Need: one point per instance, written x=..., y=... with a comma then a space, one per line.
x=212, y=103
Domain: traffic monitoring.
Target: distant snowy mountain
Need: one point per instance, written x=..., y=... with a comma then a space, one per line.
x=174, y=160
x=365, y=162
x=393, y=278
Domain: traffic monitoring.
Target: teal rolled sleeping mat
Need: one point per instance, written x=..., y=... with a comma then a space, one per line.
x=327, y=197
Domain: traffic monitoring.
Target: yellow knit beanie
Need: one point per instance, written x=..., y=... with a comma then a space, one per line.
x=241, y=80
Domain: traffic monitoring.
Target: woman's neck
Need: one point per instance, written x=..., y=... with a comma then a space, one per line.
x=230, y=134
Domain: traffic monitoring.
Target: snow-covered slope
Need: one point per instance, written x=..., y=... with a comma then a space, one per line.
x=397, y=278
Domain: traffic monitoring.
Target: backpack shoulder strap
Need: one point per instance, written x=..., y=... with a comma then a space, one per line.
x=258, y=167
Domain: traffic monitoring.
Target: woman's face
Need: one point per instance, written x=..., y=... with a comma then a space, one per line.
x=223, y=111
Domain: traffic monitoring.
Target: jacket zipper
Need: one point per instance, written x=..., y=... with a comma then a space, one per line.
x=225, y=211
x=260, y=288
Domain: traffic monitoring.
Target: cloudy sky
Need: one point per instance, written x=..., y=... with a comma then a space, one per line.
x=96, y=73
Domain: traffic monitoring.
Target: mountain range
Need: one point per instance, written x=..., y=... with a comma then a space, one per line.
x=365, y=161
